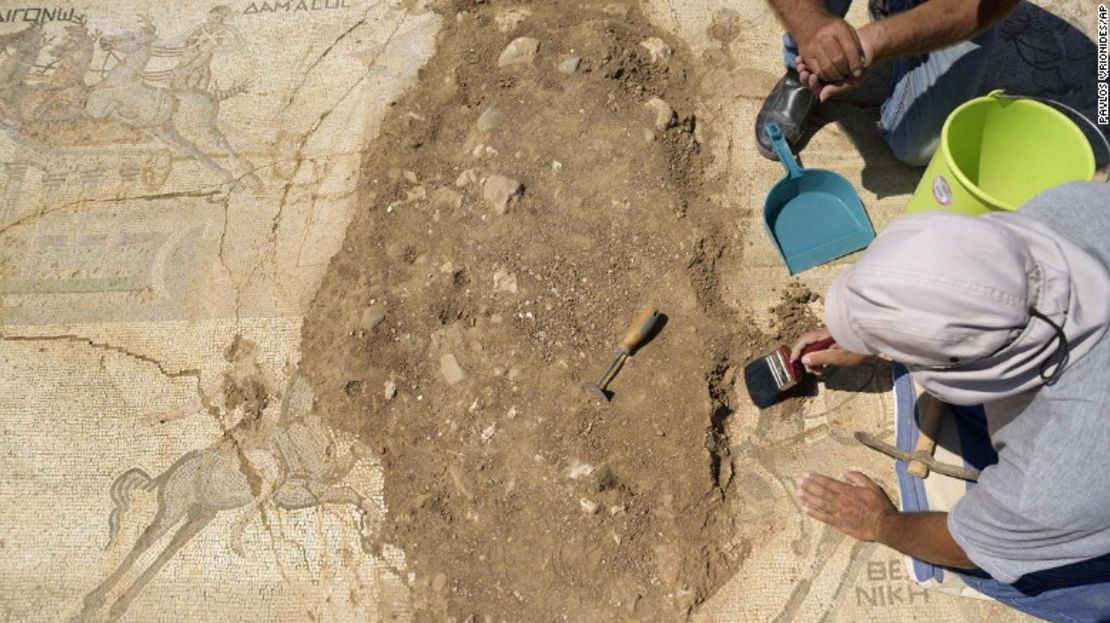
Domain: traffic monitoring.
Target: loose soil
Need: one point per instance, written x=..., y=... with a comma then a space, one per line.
x=453, y=339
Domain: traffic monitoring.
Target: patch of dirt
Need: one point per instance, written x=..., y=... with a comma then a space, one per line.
x=792, y=315
x=453, y=330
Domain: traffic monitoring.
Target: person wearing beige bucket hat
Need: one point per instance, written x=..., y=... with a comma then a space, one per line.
x=1010, y=310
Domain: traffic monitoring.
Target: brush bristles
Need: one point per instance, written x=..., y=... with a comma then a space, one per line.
x=768, y=377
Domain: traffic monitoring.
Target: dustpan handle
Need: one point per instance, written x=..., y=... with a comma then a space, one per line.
x=1085, y=118
x=782, y=150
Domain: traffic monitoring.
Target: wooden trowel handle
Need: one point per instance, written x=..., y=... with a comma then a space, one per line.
x=640, y=329
x=930, y=409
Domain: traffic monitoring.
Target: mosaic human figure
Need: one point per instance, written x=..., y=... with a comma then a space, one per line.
x=20, y=51
x=193, y=71
x=61, y=95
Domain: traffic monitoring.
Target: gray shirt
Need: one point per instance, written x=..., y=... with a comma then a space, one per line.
x=1047, y=502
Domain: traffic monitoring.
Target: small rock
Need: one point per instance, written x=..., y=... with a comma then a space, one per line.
x=450, y=369
x=616, y=9
x=501, y=192
x=578, y=469
x=556, y=166
x=570, y=65
x=649, y=136
x=504, y=281
x=522, y=51
x=665, y=116
x=512, y=413
x=482, y=150
x=489, y=432
x=467, y=177
x=372, y=316
x=490, y=120
x=658, y=50
x=390, y=389
x=446, y=199
x=508, y=20
x=588, y=505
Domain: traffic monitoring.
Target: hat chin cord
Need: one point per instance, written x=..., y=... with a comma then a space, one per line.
x=1062, y=347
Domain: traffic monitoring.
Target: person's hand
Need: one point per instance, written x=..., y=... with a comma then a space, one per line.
x=824, y=89
x=816, y=362
x=856, y=507
x=832, y=50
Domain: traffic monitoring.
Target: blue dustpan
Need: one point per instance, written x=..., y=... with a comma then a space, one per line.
x=813, y=216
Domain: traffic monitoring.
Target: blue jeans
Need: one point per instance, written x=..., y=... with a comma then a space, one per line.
x=925, y=89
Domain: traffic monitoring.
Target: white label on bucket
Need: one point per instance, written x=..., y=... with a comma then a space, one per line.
x=942, y=192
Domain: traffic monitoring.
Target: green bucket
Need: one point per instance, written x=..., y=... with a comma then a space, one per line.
x=997, y=151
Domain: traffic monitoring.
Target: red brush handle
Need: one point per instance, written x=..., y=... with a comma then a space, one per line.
x=823, y=344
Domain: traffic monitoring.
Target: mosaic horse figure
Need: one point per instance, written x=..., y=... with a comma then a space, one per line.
x=292, y=467
x=123, y=94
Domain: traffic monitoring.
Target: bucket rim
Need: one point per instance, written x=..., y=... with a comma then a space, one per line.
x=996, y=97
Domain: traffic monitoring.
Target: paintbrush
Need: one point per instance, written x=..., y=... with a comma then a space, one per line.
x=769, y=377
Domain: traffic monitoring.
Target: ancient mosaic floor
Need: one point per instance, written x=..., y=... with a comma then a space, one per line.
x=175, y=179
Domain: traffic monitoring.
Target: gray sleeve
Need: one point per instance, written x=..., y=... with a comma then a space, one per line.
x=1080, y=211
x=1041, y=506
x=1008, y=545
x=996, y=539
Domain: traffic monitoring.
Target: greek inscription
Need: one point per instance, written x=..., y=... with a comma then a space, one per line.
x=294, y=6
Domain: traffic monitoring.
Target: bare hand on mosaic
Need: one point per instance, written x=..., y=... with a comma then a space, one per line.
x=856, y=506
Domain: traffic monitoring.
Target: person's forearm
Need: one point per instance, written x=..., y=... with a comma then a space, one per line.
x=934, y=25
x=800, y=16
x=923, y=536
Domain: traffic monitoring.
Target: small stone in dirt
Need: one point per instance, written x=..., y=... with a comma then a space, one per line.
x=390, y=389
x=504, y=281
x=665, y=116
x=658, y=50
x=450, y=369
x=578, y=469
x=615, y=9
x=570, y=65
x=588, y=505
x=489, y=432
x=467, y=178
x=482, y=150
x=446, y=199
x=508, y=20
x=372, y=316
x=490, y=120
x=521, y=51
x=501, y=192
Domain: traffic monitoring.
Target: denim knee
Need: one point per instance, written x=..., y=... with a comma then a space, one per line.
x=915, y=151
